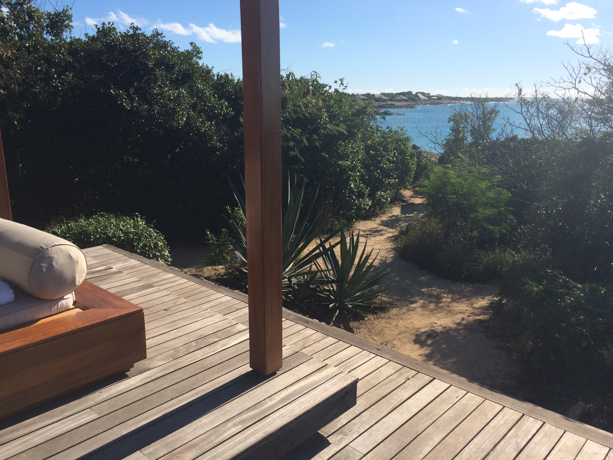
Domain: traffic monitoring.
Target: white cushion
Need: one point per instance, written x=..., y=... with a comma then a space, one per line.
x=27, y=308
x=39, y=263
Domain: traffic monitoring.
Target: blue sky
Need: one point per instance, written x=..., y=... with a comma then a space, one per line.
x=451, y=47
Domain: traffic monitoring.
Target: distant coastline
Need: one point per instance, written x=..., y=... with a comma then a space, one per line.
x=411, y=100
x=415, y=104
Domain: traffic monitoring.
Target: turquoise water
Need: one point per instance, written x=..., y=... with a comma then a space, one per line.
x=426, y=119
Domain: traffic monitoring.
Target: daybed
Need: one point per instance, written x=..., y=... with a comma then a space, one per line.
x=100, y=336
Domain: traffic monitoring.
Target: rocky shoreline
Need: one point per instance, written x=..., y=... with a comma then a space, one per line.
x=414, y=104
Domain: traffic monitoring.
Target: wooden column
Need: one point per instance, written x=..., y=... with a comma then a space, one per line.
x=5, y=201
x=262, y=117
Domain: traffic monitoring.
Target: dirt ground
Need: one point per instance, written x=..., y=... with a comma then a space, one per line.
x=445, y=323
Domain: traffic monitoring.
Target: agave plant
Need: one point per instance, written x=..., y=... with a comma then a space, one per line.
x=298, y=233
x=348, y=281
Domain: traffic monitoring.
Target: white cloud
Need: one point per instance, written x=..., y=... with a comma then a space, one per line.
x=454, y=42
x=461, y=10
x=173, y=27
x=209, y=34
x=328, y=45
x=4, y=10
x=546, y=2
x=282, y=23
x=577, y=31
x=572, y=10
x=119, y=18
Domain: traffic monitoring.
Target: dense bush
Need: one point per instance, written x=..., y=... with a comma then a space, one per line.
x=332, y=139
x=565, y=325
x=130, y=233
x=452, y=256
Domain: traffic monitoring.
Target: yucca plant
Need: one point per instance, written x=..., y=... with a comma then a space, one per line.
x=299, y=230
x=348, y=282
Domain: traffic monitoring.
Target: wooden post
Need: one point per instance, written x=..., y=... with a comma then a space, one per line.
x=262, y=118
x=5, y=201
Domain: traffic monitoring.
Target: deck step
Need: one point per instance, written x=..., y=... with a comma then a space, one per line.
x=244, y=415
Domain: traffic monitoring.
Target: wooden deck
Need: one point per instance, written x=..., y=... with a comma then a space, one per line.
x=197, y=337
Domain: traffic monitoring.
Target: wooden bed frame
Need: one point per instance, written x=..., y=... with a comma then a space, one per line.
x=103, y=336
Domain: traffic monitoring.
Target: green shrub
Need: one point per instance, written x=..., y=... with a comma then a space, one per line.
x=130, y=233
x=464, y=198
x=565, y=325
x=450, y=255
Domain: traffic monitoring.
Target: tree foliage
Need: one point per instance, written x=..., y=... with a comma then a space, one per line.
x=115, y=121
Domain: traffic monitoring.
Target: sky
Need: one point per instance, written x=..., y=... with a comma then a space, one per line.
x=455, y=48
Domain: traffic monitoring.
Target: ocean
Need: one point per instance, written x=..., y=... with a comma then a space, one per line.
x=423, y=121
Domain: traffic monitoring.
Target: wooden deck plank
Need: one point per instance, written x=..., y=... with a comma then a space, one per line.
x=195, y=326
x=207, y=432
x=166, y=301
x=516, y=439
x=375, y=413
x=105, y=429
x=567, y=447
x=355, y=361
x=378, y=390
x=415, y=425
x=175, y=383
x=237, y=305
x=395, y=419
x=308, y=341
x=284, y=417
x=190, y=352
x=454, y=442
x=221, y=328
x=429, y=438
x=342, y=356
x=298, y=336
x=593, y=451
x=348, y=453
x=542, y=443
x=178, y=323
x=23, y=443
x=320, y=345
x=330, y=351
x=486, y=440
x=238, y=313
x=368, y=368
x=182, y=305
x=149, y=371
x=95, y=434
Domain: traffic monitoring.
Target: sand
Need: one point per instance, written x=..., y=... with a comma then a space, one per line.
x=442, y=322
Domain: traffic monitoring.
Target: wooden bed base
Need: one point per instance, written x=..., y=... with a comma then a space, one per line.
x=103, y=336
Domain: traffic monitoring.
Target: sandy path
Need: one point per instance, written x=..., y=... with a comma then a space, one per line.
x=431, y=319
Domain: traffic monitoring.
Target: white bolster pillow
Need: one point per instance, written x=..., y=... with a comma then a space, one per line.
x=41, y=264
